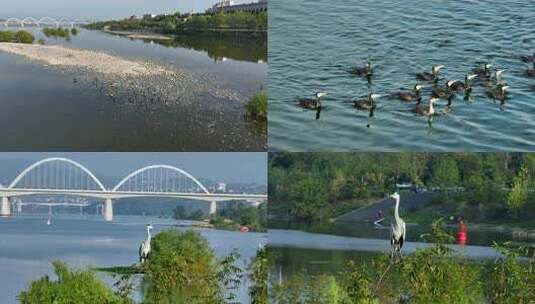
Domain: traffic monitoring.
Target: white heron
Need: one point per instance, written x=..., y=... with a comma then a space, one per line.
x=397, y=232
x=144, y=248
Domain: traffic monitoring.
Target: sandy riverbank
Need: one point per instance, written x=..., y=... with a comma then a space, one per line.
x=55, y=55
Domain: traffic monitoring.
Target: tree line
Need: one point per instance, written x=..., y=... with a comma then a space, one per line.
x=177, y=23
x=314, y=186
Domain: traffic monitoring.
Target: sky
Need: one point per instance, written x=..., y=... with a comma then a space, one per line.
x=219, y=167
x=93, y=10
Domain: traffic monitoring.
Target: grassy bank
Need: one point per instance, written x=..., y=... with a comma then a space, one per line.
x=257, y=106
x=16, y=37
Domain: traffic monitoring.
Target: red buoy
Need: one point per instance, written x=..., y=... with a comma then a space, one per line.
x=462, y=233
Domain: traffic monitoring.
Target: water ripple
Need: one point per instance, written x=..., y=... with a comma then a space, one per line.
x=313, y=42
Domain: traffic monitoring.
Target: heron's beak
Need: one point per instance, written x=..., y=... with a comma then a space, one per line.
x=439, y=67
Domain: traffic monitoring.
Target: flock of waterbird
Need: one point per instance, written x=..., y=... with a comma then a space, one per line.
x=487, y=76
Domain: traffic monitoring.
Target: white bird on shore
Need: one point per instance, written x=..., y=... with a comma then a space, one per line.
x=144, y=248
x=397, y=232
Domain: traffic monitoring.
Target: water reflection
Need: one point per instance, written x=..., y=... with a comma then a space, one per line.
x=220, y=47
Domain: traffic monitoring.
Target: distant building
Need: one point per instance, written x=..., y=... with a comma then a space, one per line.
x=222, y=187
x=228, y=6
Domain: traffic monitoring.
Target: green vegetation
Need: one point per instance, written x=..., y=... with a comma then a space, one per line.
x=257, y=106
x=177, y=23
x=255, y=218
x=71, y=287
x=258, y=274
x=484, y=187
x=183, y=269
x=180, y=213
x=74, y=31
x=431, y=275
x=16, y=37
x=57, y=32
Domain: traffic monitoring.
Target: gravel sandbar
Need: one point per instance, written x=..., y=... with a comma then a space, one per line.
x=56, y=55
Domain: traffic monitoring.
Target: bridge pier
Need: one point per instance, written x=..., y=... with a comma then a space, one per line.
x=213, y=208
x=5, y=209
x=108, y=210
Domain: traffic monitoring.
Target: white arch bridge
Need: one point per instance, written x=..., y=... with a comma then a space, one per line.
x=62, y=176
x=45, y=21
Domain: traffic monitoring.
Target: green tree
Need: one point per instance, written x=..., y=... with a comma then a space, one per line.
x=71, y=287
x=445, y=172
x=258, y=274
x=183, y=268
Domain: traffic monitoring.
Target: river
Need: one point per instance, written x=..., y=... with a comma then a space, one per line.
x=28, y=246
x=204, y=110
x=312, y=44
x=327, y=248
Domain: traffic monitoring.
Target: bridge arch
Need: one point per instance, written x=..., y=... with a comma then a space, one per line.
x=179, y=172
x=13, y=20
x=49, y=21
x=30, y=20
x=64, y=21
x=35, y=165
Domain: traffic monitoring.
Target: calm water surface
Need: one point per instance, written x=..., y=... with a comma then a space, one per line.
x=28, y=246
x=326, y=249
x=46, y=108
x=313, y=43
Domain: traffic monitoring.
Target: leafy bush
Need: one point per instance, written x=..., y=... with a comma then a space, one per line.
x=7, y=36
x=510, y=280
x=434, y=275
x=17, y=37
x=259, y=277
x=358, y=285
x=57, y=32
x=182, y=268
x=71, y=287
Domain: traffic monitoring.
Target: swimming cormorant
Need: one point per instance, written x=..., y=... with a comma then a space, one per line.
x=433, y=76
x=366, y=70
x=312, y=103
x=528, y=58
x=466, y=86
x=444, y=92
x=428, y=111
x=484, y=72
x=366, y=104
x=499, y=93
x=409, y=96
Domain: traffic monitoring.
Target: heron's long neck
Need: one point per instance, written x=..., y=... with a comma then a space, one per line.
x=148, y=235
x=396, y=211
